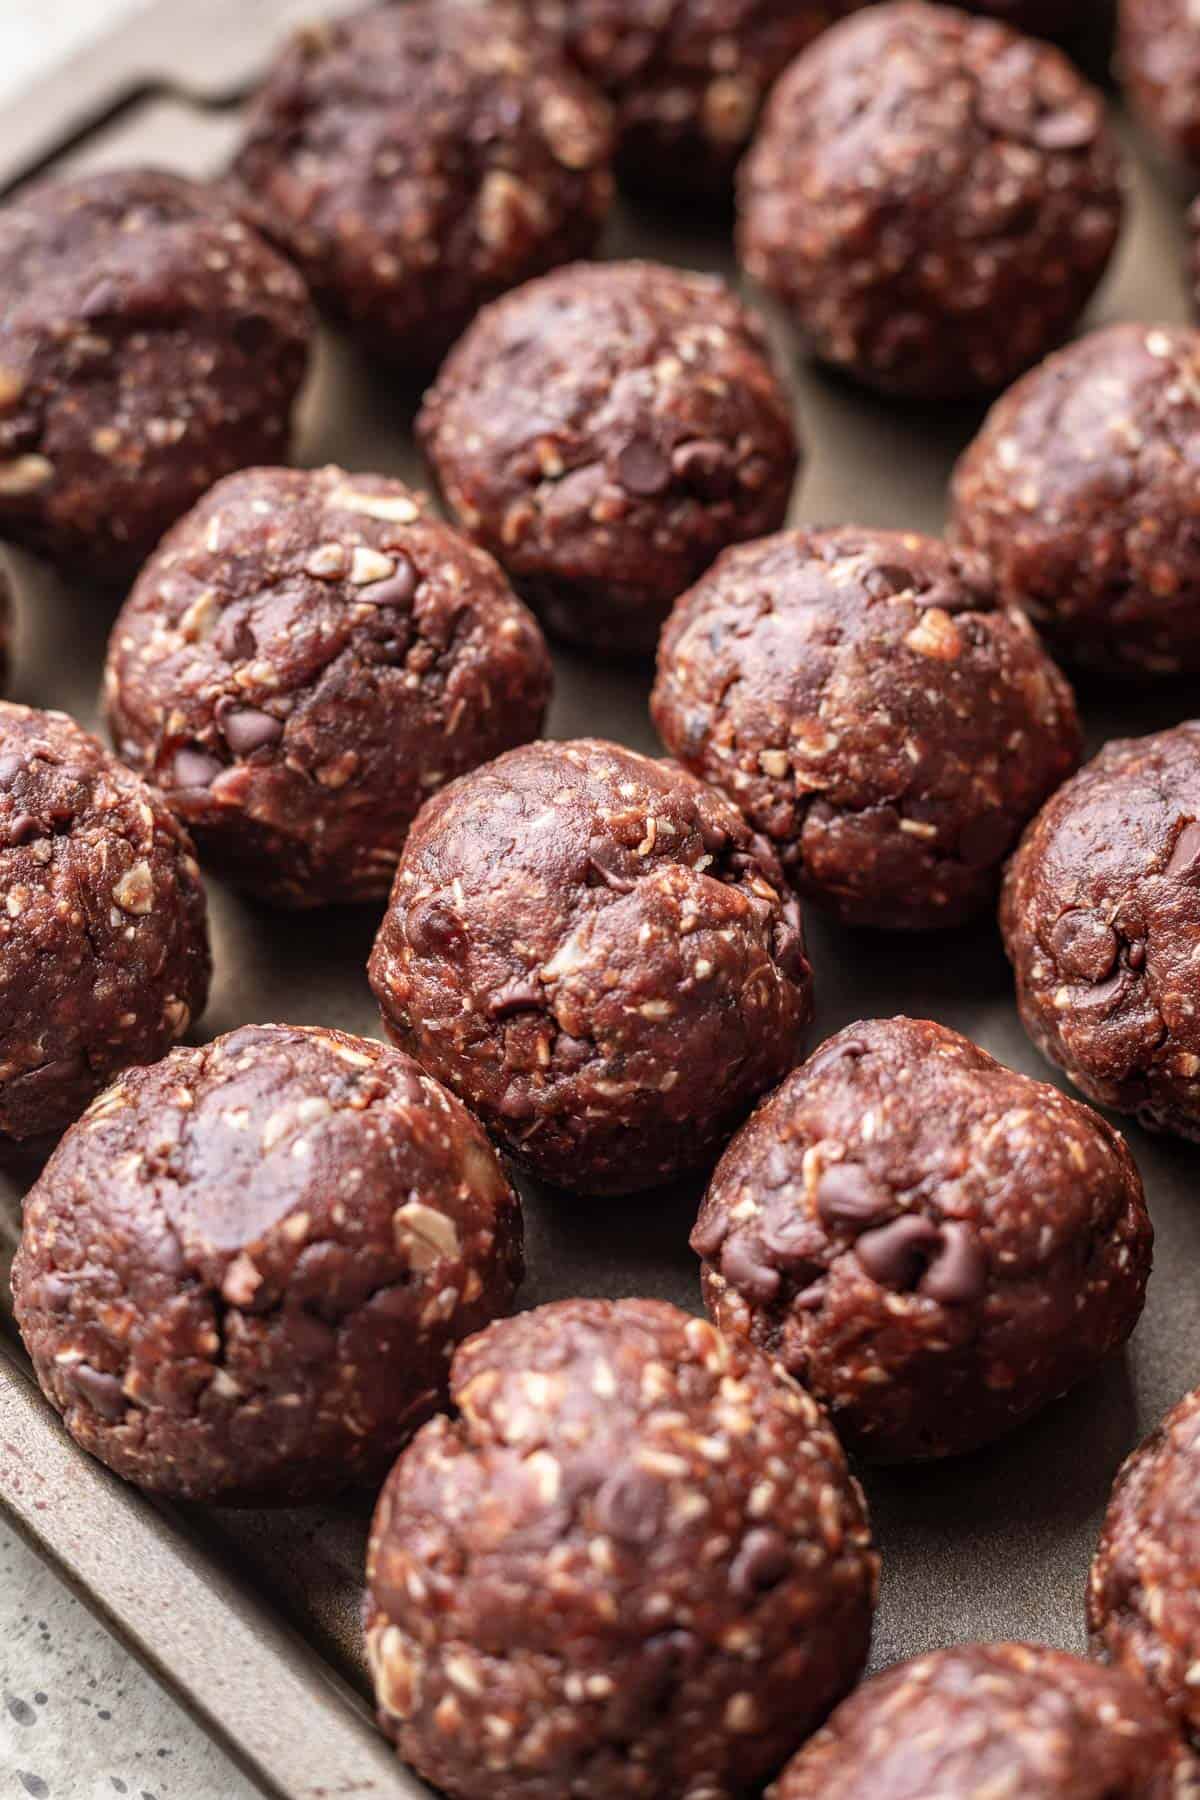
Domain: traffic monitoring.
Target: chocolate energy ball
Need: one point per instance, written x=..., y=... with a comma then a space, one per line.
x=687, y=79
x=632, y=1566
x=304, y=660
x=934, y=1245
x=605, y=432
x=1081, y=492
x=1158, y=55
x=1101, y=921
x=104, y=955
x=243, y=1271
x=599, y=956
x=933, y=198
x=150, y=342
x=1143, y=1604
x=979, y=1721
x=873, y=711
x=417, y=160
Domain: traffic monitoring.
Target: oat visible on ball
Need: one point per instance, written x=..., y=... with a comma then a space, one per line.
x=990, y=1721
x=1158, y=58
x=150, y=342
x=632, y=1566
x=104, y=958
x=933, y=1244
x=243, y=1271
x=933, y=197
x=1143, y=1603
x=1081, y=492
x=873, y=711
x=687, y=79
x=598, y=955
x=605, y=432
x=1101, y=920
x=307, y=657
x=416, y=160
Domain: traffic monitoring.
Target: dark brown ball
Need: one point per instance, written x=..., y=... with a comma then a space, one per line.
x=1158, y=56
x=150, y=342
x=242, y=1272
x=417, y=160
x=1081, y=493
x=1043, y=18
x=1143, y=1598
x=633, y=1566
x=605, y=432
x=687, y=80
x=104, y=957
x=1101, y=921
x=873, y=711
x=983, y=1720
x=934, y=1245
x=306, y=658
x=933, y=198
x=596, y=953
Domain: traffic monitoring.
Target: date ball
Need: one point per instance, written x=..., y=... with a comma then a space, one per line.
x=104, y=957
x=1158, y=55
x=979, y=1720
x=599, y=956
x=605, y=432
x=417, y=160
x=1081, y=492
x=632, y=1566
x=242, y=1272
x=932, y=197
x=687, y=80
x=150, y=342
x=1101, y=920
x=1143, y=1609
x=934, y=1245
x=874, y=711
x=308, y=656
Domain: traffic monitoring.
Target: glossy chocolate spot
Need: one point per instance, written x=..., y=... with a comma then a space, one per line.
x=629, y=1506
x=763, y=1560
x=194, y=769
x=897, y=1255
x=1084, y=947
x=847, y=1195
x=743, y=1267
x=642, y=468
x=397, y=590
x=959, y=1270
x=246, y=729
x=99, y=1391
x=709, y=1233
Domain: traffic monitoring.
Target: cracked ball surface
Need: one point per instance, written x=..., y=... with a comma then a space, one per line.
x=414, y=161
x=1080, y=490
x=1143, y=1610
x=633, y=1565
x=104, y=957
x=597, y=954
x=932, y=1244
x=150, y=342
x=986, y=1721
x=933, y=198
x=1101, y=920
x=604, y=432
x=873, y=711
x=306, y=658
x=242, y=1273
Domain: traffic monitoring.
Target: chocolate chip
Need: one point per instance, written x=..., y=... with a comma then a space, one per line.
x=629, y=1506
x=985, y=839
x=246, y=729
x=1185, y=854
x=433, y=927
x=847, y=1195
x=516, y=997
x=887, y=580
x=99, y=1391
x=897, y=1255
x=746, y=1271
x=397, y=590
x=791, y=1240
x=959, y=1270
x=704, y=465
x=763, y=1560
x=10, y=768
x=609, y=878
x=1135, y=954
x=24, y=828
x=642, y=468
x=193, y=768
x=235, y=639
x=1084, y=946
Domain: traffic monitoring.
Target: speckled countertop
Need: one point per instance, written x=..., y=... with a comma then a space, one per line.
x=79, y=1718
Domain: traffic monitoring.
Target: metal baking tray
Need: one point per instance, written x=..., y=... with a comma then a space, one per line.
x=252, y=1618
